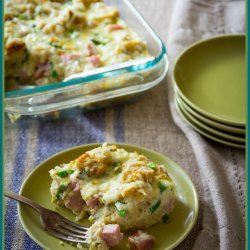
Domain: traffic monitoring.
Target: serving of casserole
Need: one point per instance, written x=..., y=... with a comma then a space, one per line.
x=117, y=190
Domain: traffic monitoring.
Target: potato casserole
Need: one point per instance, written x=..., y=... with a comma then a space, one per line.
x=116, y=189
x=47, y=41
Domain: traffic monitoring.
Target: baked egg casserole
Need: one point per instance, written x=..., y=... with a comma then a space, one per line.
x=46, y=41
x=117, y=190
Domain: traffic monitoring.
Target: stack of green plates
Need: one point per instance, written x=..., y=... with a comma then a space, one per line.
x=211, y=88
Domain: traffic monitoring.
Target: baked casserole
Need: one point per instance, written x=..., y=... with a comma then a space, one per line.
x=117, y=190
x=47, y=41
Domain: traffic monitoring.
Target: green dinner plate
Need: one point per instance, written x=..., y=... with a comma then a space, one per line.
x=210, y=130
x=205, y=133
x=37, y=185
x=209, y=122
x=211, y=77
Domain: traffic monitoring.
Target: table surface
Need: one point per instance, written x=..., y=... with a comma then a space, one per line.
x=147, y=122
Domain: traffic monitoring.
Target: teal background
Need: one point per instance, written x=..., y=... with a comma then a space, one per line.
x=248, y=126
x=1, y=124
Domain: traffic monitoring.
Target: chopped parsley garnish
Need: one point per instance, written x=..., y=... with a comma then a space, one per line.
x=151, y=165
x=165, y=218
x=60, y=191
x=122, y=213
x=65, y=173
x=55, y=45
x=162, y=187
x=54, y=74
x=98, y=42
x=155, y=207
x=117, y=167
x=119, y=206
x=118, y=170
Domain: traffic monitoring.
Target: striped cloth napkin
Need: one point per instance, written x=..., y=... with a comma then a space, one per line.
x=32, y=140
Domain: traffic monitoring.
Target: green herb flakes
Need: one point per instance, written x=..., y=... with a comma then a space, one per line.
x=60, y=191
x=151, y=165
x=54, y=74
x=120, y=208
x=65, y=173
x=162, y=187
x=122, y=213
x=98, y=42
x=155, y=207
x=55, y=45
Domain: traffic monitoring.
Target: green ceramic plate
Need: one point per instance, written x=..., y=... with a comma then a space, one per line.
x=211, y=77
x=210, y=130
x=37, y=184
x=209, y=122
x=205, y=133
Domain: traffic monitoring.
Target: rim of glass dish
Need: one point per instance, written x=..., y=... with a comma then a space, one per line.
x=109, y=73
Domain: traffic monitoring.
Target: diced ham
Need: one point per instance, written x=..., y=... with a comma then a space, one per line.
x=75, y=202
x=69, y=57
x=112, y=235
x=169, y=206
x=93, y=202
x=90, y=48
x=95, y=60
x=114, y=27
x=141, y=240
x=41, y=69
x=75, y=186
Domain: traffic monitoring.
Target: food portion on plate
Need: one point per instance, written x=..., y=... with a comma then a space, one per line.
x=48, y=41
x=118, y=191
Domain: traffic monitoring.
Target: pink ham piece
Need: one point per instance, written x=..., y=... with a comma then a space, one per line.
x=93, y=202
x=112, y=235
x=114, y=27
x=41, y=69
x=90, y=48
x=141, y=240
x=169, y=206
x=69, y=57
x=75, y=186
x=95, y=60
x=75, y=202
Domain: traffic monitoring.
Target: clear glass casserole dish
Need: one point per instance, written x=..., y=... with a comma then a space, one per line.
x=102, y=86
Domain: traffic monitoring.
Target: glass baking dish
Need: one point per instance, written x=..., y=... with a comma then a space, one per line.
x=103, y=86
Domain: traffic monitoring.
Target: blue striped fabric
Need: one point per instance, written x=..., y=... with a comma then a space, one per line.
x=119, y=123
x=17, y=177
x=72, y=129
